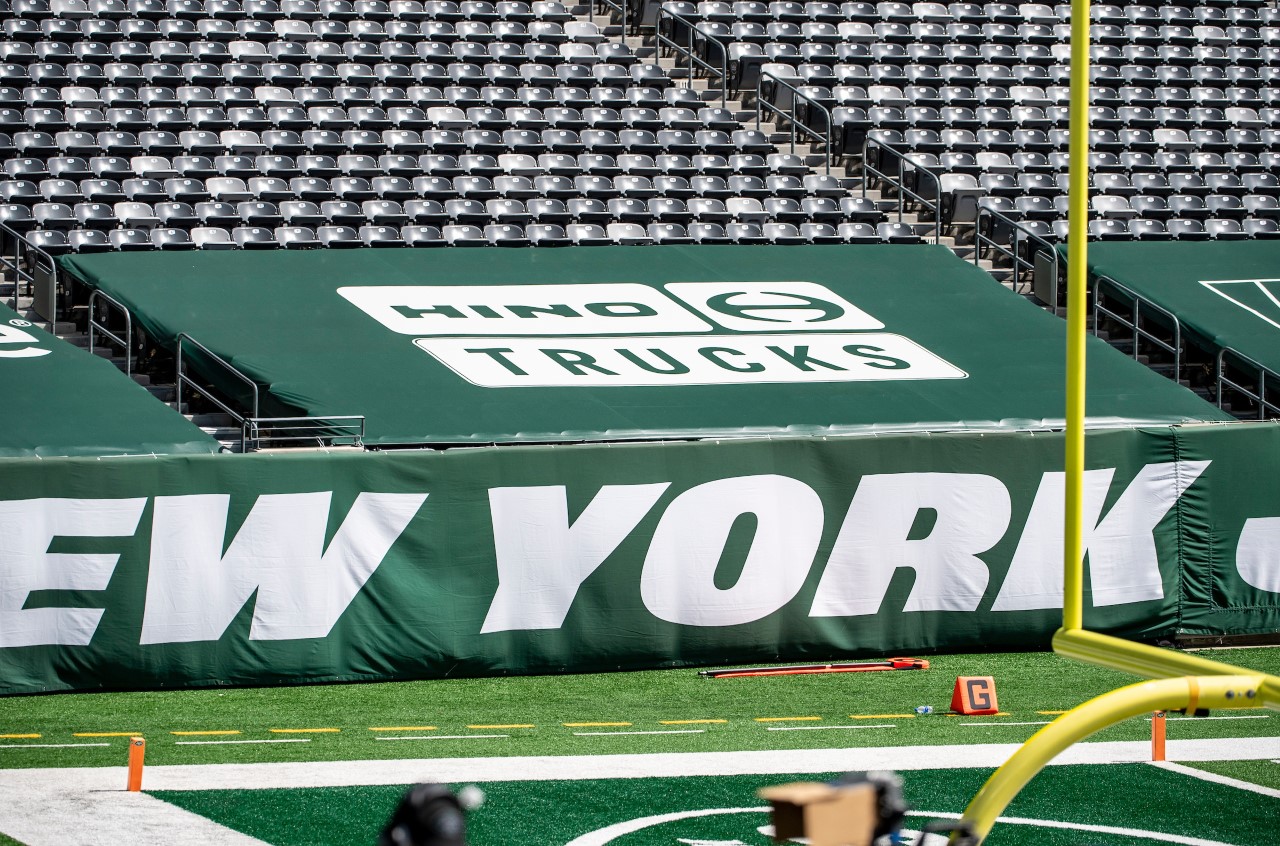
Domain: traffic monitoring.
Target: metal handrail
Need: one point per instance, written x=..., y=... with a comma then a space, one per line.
x=1012, y=251
x=621, y=7
x=34, y=257
x=688, y=52
x=792, y=119
x=183, y=379
x=1138, y=303
x=1265, y=374
x=323, y=431
x=900, y=184
x=95, y=327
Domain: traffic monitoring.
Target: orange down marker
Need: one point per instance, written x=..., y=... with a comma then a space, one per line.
x=974, y=695
x=1157, y=736
x=137, y=750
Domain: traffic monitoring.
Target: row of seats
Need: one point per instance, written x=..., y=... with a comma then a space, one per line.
x=466, y=235
x=1145, y=229
x=272, y=10
x=1248, y=12
x=141, y=215
x=473, y=187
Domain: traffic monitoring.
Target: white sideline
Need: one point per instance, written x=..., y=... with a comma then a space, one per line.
x=87, y=805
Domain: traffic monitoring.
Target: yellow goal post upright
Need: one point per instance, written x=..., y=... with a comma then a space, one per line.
x=1178, y=681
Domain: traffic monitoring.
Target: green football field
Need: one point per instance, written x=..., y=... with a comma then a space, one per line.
x=1134, y=797
x=657, y=711
x=350, y=750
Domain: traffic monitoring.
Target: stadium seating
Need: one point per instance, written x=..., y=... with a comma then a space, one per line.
x=178, y=124
x=295, y=123
x=1183, y=123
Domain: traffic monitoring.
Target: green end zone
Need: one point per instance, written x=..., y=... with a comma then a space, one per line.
x=1115, y=805
x=449, y=347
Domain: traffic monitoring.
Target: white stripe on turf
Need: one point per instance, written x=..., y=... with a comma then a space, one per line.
x=1204, y=775
x=576, y=767
x=829, y=728
x=53, y=817
x=87, y=805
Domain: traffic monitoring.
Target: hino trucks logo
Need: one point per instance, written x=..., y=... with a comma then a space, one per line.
x=629, y=334
x=16, y=342
x=1259, y=297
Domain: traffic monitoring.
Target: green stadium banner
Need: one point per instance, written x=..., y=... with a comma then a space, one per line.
x=1226, y=294
x=279, y=568
x=630, y=343
x=93, y=410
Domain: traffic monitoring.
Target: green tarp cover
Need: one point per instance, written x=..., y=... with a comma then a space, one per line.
x=59, y=401
x=458, y=346
x=1227, y=294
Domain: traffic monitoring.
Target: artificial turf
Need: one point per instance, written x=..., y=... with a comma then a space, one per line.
x=1135, y=796
x=1265, y=773
x=1027, y=684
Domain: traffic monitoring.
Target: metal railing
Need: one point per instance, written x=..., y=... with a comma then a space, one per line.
x=341, y=430
x=97, y=328
x=181, y=379
x=622, y=7
x=792, y=118
x=1021, y=240
x=22, y=260
x=1258, y=397
x=688, y=51
x=1138, y=332
x=257, y=431
x=898, y=181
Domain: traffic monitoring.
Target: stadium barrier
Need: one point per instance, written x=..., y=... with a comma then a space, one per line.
x=279, y=568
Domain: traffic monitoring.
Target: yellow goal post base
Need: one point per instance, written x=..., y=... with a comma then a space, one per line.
x=1181, y=683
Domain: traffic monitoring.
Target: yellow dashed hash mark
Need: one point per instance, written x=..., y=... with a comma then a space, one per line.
x=785, y=719
x=1051, y=713
x=402, y=728
x=593, y=725
x=19, y=736
x=530, y=725
x=306, y=731
x=106, y=734
x=198, y=733
x=691, y=722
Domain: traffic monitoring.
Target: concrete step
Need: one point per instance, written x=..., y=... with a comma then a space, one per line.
x=216, y=420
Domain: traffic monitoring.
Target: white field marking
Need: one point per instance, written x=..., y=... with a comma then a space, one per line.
x=1224, y=717
x=1204, y=775
x=443, y=737
x=84, y=805
x=1161, y=837
x=1031, y=723
x=615, y=733
x=110, y=815
x=604, y=836
x=225, y=742
x=48, y=745
x=829, y=728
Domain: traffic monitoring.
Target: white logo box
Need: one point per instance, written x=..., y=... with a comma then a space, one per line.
x=716, y=360
x=625, y=308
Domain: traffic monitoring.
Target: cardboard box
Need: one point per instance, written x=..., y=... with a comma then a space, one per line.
x=828, y=815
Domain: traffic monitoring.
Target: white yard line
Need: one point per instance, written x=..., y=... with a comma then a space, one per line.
x=829, y=728
x=49, y=745
x=226, y=742
x=1031, y=723
x=1204, y=775
x=615, y=733
x=88, y=805
x=442, y=737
